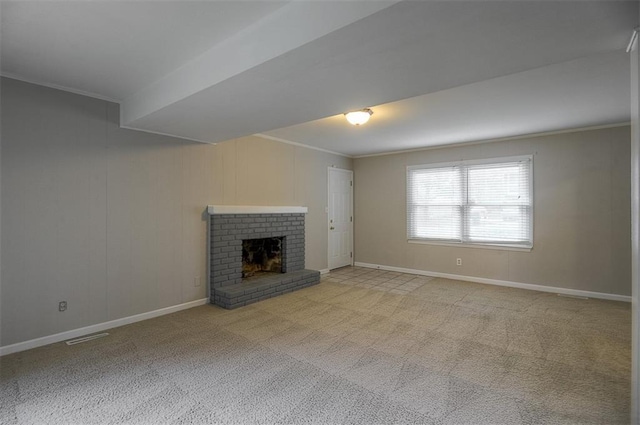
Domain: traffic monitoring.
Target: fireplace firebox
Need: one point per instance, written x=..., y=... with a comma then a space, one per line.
x=260, y=256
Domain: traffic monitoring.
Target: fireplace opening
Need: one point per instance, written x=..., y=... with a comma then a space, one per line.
x=260, y=256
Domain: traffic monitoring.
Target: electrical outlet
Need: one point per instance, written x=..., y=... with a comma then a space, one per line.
x=458, y=261
x=196, y=281
x=62, y=306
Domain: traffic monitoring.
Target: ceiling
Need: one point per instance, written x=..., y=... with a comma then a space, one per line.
x=434, y=72
x=113, y=49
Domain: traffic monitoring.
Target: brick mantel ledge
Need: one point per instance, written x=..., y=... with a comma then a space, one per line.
x=254, y=209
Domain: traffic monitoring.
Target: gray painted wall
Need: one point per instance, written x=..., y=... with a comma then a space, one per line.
x=113, y=220
x=581, y=220
x=108, y=219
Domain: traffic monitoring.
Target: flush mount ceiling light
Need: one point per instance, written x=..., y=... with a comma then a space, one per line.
x=359, y=117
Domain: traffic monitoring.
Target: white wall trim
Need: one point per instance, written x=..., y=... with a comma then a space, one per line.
x=324, y=271
x=254, y=209
x=471, y=245
x=63, y=336
x=501, y=139
x=289, y=142
x=519, y=285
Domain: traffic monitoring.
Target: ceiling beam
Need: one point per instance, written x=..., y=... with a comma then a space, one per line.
x=288, y=28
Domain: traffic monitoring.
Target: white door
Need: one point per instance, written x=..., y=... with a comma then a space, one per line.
x=340, y=218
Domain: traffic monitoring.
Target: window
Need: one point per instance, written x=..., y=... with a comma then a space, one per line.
x=485, y=202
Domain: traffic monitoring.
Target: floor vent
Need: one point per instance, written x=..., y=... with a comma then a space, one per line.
x=85, y=339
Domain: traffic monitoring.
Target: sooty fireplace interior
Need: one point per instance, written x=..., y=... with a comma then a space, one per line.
x=256, y=253
x=261, y=256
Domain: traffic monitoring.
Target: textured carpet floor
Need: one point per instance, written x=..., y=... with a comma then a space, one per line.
x=362, y=347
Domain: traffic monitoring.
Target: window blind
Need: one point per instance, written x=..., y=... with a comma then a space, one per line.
x=480, y=202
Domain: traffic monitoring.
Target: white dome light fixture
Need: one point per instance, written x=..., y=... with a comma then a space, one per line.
x=359, y=117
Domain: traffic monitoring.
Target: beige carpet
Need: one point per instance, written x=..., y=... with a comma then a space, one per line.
x=362, y=347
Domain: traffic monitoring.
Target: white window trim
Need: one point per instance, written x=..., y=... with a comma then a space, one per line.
x=499, y=247
x=496, y=246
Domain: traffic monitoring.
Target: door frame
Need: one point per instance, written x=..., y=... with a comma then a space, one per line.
x=350, y=172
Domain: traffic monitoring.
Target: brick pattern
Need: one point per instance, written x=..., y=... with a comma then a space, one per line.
x=260, y=289
x=227, y=233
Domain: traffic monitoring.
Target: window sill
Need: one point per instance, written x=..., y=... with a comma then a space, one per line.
x=472, y=245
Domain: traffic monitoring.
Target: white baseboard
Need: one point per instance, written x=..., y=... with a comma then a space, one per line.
x=529, y=286
x=63, y=336
x=324, y=271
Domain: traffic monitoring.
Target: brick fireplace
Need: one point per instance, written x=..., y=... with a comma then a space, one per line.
x=236, y=230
